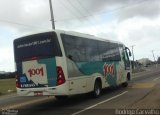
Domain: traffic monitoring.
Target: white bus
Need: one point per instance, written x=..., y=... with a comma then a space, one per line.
x=60, y=63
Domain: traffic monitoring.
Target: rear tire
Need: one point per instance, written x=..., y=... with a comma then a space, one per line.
x=97, y=89
x=125, y=84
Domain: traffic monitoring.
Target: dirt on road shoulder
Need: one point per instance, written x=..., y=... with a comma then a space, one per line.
x=150, y=101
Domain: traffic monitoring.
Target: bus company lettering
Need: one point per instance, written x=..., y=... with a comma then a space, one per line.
x=38, y=72
x=108, y=69
x=34, y=43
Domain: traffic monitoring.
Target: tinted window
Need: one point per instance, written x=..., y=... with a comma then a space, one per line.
x=109, y=51
x=74, y=47
x=92, y=50
x=83, y=49
x=42, y=45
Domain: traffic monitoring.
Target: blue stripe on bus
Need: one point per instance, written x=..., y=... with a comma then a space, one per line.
x=89, y=68
x=51, y=70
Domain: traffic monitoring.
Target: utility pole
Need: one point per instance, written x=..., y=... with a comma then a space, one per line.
x=133, y=56
x=52, y=16
x=154, y=57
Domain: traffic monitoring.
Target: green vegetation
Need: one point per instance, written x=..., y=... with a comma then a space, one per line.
x=7, y=86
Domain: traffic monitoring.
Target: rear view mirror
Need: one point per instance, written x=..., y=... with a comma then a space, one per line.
x=130, y=53
x=126, y=48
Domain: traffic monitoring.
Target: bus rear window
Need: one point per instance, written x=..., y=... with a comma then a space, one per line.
x=43, y=45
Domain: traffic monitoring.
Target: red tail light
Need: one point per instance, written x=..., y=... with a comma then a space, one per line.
x=60, y=76
x=17, y=82
x=34, y=58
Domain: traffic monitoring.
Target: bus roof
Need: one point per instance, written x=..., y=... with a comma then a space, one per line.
x=89, y=36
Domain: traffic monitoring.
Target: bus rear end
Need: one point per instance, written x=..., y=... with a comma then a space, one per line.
x=38, y=70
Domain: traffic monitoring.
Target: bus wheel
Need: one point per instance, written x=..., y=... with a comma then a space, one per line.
x=61, y=97
x=97, y=89
x=125, y=84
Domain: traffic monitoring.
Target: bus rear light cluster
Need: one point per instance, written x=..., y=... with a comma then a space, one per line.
x=60, y=76
x=34, y=58
x=17, y=82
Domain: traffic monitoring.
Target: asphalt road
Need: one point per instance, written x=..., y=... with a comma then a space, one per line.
x=111, y=101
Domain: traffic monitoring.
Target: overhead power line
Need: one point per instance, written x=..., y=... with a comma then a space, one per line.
x=76, y=17
x=87, y=12
x=104, y=12
x=20, y=24
x=68, y=8
x=76, y=11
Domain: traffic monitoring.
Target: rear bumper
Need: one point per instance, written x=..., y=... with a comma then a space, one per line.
x=45, y=91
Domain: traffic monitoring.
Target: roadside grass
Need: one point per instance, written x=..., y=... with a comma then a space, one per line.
x=7, y=86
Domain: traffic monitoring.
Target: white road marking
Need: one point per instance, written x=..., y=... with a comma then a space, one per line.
x=156, y=79
x=76, y=113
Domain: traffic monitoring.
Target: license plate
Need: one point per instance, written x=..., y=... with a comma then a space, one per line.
x=38, y=93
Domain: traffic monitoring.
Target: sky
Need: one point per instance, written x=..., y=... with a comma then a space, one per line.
x=132, y=22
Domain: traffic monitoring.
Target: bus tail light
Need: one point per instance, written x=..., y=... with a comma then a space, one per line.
x=34, y=58
x=17, y=81
x=60, y=76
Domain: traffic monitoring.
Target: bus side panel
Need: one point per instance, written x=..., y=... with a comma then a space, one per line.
x=122, y=71
x=76, y=80
x=100, y=68
x=64, y=89
x=82, y=75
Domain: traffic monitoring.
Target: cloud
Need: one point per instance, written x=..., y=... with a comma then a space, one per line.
x=25, y=16
x=141, y=8
x=133, y=22
x=35, y=14
x=7, y=59
x=139, y=31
